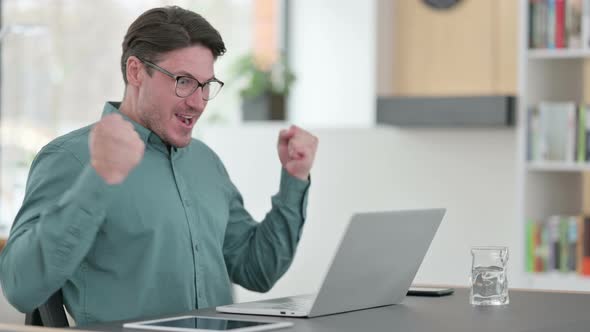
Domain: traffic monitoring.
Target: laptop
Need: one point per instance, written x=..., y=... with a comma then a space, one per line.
x=374, y=265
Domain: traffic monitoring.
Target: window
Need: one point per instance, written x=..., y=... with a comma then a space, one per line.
x=60, y=63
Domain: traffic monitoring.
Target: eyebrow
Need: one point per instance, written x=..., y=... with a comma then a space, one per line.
x=187, y=74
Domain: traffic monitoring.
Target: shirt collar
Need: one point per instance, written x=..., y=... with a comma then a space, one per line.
x=112, y=107
x=146, y=135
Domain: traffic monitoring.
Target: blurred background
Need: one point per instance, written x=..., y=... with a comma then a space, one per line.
x=477, y=106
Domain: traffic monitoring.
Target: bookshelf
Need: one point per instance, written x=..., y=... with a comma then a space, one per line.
x=547, y=188
x=557, y=54
x=553, y=166
x=557, y=280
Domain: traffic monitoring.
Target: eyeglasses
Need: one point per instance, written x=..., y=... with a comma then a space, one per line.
x=186, y=85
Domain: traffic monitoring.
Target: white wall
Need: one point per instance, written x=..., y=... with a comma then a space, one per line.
x=470, y=172
x=332, y=51
x=385, y=47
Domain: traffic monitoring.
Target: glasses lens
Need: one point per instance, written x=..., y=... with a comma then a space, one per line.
x=185, y=86
x=211, y=89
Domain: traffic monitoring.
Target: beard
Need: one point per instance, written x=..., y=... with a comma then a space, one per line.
x=156, y=122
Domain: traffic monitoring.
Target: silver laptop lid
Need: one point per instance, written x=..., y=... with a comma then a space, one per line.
x=377, y=260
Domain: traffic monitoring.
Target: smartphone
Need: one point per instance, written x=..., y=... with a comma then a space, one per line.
x=429, y=291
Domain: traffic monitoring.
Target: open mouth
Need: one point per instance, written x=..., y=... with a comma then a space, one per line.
x=186, y=120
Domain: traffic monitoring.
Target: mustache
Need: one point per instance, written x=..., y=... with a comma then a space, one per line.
x=188, y=111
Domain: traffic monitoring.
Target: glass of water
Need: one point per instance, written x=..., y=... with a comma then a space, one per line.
x=489, y=283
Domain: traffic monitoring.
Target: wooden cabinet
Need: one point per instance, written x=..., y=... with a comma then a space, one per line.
x=470, y=49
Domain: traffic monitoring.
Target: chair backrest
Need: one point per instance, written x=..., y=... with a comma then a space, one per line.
x=49, y=314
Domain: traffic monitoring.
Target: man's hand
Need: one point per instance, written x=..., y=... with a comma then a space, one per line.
x=115, y=148
x=297, y=150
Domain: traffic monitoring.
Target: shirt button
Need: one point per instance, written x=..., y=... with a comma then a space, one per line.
x=196, y=248
x=187, y=202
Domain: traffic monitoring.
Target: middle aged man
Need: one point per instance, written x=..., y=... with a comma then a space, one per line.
x=131, y=216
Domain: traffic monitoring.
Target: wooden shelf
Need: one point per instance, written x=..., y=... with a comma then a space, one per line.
x=558, y=53
x=557, y=166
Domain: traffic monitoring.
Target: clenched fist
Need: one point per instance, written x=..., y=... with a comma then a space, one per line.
x=297, y=150
x=115, y=148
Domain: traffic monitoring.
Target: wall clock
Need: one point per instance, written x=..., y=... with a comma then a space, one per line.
x=441, y=4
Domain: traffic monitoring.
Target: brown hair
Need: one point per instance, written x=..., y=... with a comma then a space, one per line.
x=160, y=30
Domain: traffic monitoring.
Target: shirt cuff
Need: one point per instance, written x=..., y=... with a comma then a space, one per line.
x=293, y=191
x=90, y=193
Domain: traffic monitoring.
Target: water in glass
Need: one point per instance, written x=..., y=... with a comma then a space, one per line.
x=489, y=284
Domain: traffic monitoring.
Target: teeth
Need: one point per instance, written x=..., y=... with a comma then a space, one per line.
x=185, y=118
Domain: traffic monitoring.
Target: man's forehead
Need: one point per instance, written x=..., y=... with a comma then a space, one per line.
x=196, y=61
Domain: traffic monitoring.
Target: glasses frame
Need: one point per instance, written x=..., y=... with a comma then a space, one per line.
x=178, y=77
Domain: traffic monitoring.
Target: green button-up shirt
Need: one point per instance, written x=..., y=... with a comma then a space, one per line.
x=171, y=238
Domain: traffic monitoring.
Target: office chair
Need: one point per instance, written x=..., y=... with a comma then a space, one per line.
x=49, y=314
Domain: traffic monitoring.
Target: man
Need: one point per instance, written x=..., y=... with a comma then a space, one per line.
x=131, y=217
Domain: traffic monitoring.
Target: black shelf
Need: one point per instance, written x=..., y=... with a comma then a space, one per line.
x=452, y=111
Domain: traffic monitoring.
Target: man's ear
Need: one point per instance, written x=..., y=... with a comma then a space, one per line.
x=135, y=73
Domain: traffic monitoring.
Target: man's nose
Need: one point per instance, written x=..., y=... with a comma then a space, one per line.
x=195, y=100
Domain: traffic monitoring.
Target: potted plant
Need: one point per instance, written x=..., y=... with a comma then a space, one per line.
x=264, y=87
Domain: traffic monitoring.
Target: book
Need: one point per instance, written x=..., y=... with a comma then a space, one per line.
x=530, y=245
x=580, y=244
x=540, y=244
x=585, y=268
x=545, y=248
x=563, y=250
x=537, y=23
x=551, y=19
x=572, y=243
x=557, y=131
x=559, y=243
x=560, y=41
x=554, y=243
x=573, y=23
x=533, y=151
x=581, y=132
x=533, y=7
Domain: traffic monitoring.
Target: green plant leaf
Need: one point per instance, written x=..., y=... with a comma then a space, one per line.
x=256, y=81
